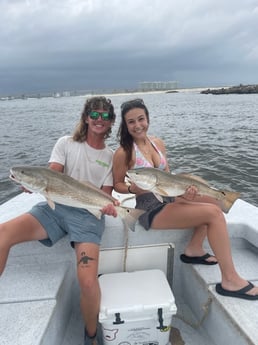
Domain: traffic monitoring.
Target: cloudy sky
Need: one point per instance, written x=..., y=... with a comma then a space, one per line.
x=51, y=45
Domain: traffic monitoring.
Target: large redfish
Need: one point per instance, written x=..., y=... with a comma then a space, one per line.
x=166, y=184
x=63, y=189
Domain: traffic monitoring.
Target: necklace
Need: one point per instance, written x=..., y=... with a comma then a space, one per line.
x=145, y=148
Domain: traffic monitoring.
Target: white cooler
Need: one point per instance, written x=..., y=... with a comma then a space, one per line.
x=136, y=308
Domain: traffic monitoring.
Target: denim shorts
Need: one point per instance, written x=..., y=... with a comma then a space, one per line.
x=79, y=224
x=152, y=205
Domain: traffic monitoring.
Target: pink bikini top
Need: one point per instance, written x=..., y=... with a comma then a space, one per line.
x=142, y=162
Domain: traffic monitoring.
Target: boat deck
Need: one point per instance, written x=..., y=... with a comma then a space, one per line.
x=39, y=295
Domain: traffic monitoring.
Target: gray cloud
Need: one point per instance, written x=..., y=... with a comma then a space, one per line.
x=77, y=44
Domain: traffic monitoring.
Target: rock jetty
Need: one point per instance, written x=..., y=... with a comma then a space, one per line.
x=240, y=89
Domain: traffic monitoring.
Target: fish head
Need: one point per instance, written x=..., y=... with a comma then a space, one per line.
x=29, y=177
x=144, y=178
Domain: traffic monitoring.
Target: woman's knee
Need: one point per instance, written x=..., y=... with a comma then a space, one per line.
x=4, y=235
x=215, y=212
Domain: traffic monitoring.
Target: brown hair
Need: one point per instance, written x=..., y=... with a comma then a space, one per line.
x=124, y=137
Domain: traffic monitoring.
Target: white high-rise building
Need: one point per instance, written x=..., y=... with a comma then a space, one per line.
x=157, y=85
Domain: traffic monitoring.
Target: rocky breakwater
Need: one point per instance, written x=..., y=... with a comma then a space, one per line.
x=240, y=89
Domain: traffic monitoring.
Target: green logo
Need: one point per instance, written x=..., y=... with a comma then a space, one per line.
x=103, y=164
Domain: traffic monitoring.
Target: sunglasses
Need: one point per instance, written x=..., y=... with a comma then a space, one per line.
x=94, y=115
x=132, y=103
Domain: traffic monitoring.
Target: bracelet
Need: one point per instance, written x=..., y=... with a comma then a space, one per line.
x=129, y=190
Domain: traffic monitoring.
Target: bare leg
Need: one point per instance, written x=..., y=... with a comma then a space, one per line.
x=21, y=229
x=87, y=268
x=183, y=216
x=195, y=246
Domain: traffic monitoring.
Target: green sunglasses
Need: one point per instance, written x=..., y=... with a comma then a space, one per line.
x=94, y=115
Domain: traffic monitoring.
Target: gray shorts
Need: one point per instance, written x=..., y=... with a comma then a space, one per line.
x=79, y=224
x=152, y=205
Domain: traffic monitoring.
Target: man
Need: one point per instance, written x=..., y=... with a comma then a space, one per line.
x=85, y=157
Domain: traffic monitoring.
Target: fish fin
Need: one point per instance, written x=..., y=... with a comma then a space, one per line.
x=196, y=178
x=158, y=196
x=228, y=200
x=131, y=217
x=51, y=203
x=161, y=191
x=87, y=183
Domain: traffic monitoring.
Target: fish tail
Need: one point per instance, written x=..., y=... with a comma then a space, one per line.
x=131, y=217
x=228, y=200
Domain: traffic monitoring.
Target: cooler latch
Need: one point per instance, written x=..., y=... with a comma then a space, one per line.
x=118, y=320
x=161, y=326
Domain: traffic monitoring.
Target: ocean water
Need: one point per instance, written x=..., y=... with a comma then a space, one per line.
x=214, y=137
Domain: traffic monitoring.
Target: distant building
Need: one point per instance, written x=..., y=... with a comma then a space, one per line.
x=157, y=85
x=66, y=93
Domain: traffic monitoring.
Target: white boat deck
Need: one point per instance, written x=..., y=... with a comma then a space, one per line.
x=39, y=295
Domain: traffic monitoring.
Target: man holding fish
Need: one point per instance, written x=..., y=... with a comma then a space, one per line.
x=84, y=157
x=175, y=201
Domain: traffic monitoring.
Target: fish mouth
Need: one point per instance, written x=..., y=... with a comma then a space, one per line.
x=130, y=173
x=127, y=179
x=11, y=176
x=128, y=176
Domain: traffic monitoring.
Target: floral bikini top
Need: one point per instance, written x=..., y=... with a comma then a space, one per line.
x=142, y=162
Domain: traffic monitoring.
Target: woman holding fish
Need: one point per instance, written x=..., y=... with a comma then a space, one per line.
x=189, y=210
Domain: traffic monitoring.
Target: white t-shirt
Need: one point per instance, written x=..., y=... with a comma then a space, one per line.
x=83, y=162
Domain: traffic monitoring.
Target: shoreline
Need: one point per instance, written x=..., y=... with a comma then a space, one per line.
x=178, y=90
x=240, y=89
x=110, y=94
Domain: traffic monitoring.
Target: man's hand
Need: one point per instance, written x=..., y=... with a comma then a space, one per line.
x=25, y=190
x=110, y=210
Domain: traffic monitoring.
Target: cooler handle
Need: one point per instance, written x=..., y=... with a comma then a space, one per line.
x=118, y=320
x=161, y=326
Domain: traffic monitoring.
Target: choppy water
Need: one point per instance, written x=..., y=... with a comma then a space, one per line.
x=214, y=137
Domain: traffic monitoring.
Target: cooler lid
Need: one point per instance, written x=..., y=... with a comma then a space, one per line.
x=135, y=291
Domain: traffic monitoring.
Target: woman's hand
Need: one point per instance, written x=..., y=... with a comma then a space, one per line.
x=190, y=193
x=134, y=189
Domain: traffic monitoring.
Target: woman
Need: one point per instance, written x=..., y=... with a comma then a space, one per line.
x=191, y=210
